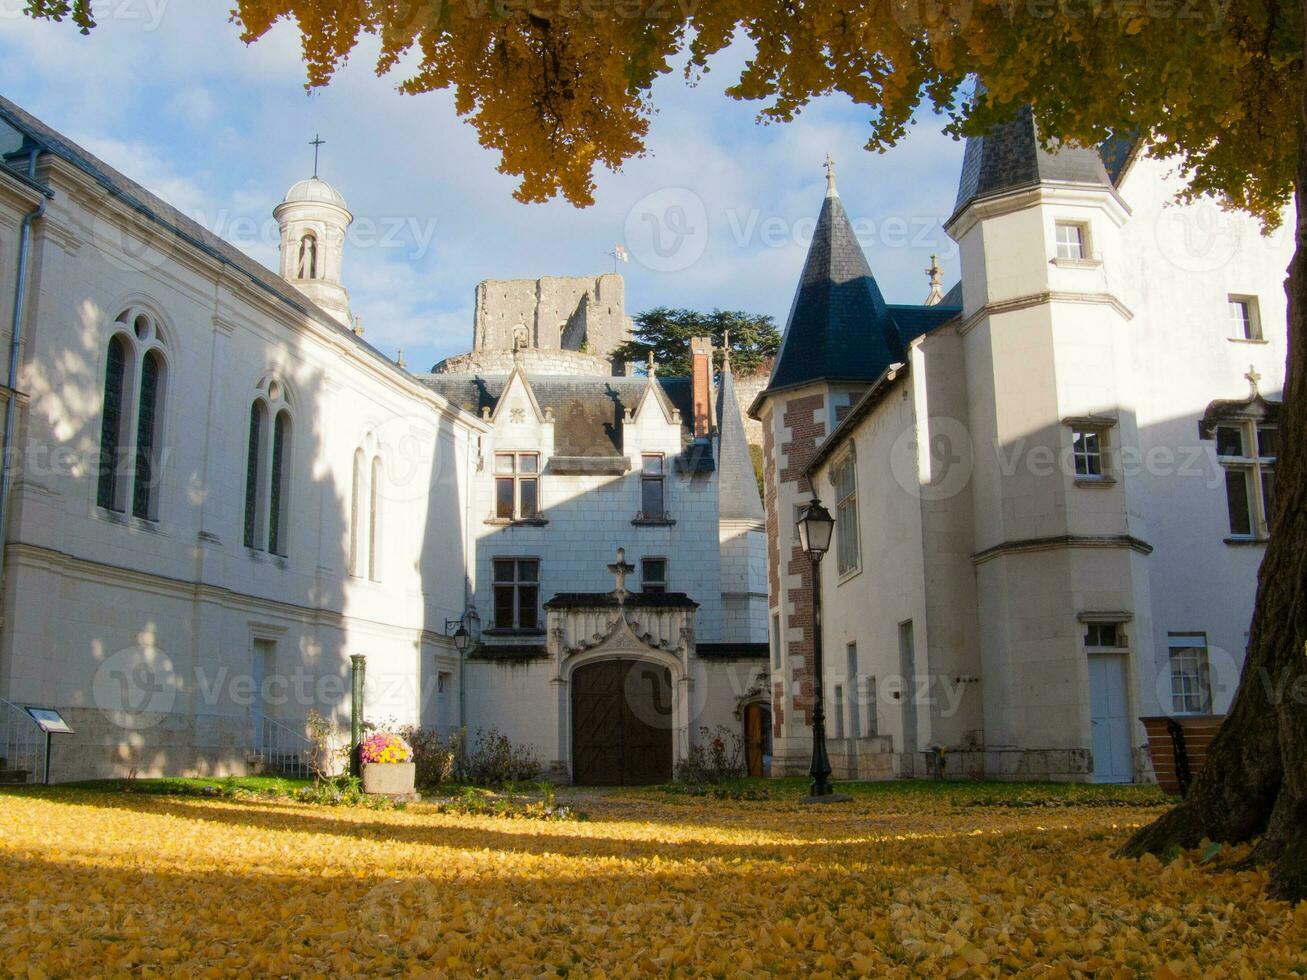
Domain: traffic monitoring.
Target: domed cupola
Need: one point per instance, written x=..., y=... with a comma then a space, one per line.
x=313, y=219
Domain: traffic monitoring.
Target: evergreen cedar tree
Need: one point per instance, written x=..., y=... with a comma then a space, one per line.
x=559, y=89
x=667, y=333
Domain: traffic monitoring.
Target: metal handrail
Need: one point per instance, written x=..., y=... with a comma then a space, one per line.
x=22, y=743
x=283, y=750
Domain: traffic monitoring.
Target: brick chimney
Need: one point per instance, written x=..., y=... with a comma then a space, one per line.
x=701, y=377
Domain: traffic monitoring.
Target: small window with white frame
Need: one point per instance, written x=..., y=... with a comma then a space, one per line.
x=1072, y=240
x=1089, y=452
x=1247, y=449
x=1191, y=682
x=1245, y=319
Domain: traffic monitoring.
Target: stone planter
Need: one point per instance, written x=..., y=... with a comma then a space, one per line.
x=393, y=779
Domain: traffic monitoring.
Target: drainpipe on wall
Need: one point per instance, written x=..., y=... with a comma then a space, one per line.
x=15, y=344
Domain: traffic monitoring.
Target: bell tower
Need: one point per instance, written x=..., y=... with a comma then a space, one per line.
x=313, y=219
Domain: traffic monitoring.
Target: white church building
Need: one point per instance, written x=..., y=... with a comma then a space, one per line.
x=1051, y=485
x=218, y=494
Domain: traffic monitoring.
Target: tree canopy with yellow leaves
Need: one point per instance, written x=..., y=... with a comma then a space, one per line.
x=559, y=88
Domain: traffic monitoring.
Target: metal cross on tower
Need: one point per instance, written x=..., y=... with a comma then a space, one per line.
x=317, y=143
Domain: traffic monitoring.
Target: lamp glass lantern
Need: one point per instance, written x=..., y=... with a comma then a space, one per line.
x=815, y=529
x=468, y=633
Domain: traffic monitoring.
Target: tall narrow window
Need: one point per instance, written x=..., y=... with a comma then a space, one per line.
x=776, y=641
x=1248, y=450
x=356, y=517
x=838, y=705
x=111, y=424
x=873, y=708
x=1191, y=683
x=374, y=518
x=846, y=515
x=252, y=467
x=308, y=265
x=148, y=418
x=653, y=496
x=517, y=486
x=278, y=499
x=851, y=673
x=517, y=593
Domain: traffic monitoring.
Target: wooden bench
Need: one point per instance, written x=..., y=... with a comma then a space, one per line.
x=1178, y=747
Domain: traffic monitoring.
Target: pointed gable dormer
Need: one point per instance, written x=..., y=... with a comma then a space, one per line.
x=839, y=328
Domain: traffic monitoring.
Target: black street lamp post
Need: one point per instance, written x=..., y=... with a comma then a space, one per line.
x=815, y=527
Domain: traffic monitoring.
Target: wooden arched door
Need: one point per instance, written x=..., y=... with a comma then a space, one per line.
x=757, y=738
x=621, y=724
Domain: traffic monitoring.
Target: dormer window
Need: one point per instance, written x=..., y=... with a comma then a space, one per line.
x=517, y=486
x=653, y=490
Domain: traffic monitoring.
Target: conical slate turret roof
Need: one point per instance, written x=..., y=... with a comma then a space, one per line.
x=737, y=482
x=840, y=327
x=1009, y=157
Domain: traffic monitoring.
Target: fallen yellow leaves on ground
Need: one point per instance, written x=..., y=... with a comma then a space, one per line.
x=125, y=884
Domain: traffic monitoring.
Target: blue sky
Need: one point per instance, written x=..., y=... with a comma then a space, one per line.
x=168, y=94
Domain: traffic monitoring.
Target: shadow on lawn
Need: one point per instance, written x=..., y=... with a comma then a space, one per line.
x=840, y=829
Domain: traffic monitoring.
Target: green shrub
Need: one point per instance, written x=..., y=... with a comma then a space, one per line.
x=494, y=760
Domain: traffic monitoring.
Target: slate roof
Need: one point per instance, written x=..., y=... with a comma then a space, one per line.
x=136, y=197
x=737, y=484
x=1009, y=158
x=840, y=328
x=587, y=410
x=636, y=600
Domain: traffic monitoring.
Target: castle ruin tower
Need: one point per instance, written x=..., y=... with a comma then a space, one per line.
x=313, y=219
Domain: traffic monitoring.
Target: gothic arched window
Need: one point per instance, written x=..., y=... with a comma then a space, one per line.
x=308, y=265
x=268, y=465
x=278, y=495
x=355, y=522
x=258, y=422
x=374, y=517
x=149, y=416
x=132, y=415
x=111, y=424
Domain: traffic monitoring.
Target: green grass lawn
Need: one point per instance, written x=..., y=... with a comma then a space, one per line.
x=896, y=792
x=962, y=792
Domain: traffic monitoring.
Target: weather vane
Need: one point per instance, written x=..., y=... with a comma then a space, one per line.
x=317, y=143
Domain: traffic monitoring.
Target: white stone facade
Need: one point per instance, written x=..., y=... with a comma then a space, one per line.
x=288, y=498
x=985, y=547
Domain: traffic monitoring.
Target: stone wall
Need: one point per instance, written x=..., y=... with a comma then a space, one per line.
x=535, y=362
x=552, y=313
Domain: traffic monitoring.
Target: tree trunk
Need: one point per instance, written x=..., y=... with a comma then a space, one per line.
x=1254, y=781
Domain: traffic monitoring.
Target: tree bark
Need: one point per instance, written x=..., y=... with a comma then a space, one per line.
x=1254, y=781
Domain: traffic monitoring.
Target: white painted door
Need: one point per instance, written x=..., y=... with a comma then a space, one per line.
x=1111, y=723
